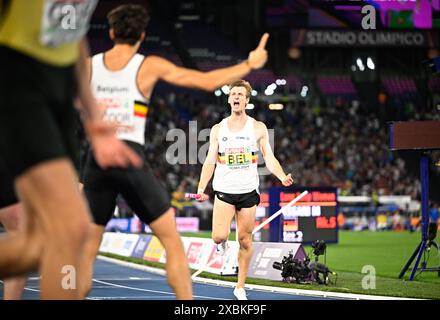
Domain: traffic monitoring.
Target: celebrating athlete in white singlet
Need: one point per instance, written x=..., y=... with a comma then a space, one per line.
x=234, y=144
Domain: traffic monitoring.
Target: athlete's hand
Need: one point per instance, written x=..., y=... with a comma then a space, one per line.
x=109, y=151
x=288, y=180
x=257, y=58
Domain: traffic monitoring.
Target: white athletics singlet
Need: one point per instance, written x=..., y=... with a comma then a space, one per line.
x=236, y=171
x=118, y=92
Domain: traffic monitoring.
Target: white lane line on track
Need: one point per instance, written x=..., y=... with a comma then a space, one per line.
x=149, y=290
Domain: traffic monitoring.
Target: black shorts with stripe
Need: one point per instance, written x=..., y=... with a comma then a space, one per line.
x=240, y=201
x=142, y=191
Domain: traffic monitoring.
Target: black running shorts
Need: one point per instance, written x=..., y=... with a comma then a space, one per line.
x=140, y=188
x=240, y=201
x=37, y=117
x=7, y=192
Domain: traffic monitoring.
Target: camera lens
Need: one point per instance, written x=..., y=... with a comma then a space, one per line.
x=277, y=265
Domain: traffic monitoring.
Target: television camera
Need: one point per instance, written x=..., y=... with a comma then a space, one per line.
x=305, y=271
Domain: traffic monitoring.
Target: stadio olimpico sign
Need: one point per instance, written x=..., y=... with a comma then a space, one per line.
x=380, y=38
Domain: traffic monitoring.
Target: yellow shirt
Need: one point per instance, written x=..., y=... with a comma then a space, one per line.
x=44, y=29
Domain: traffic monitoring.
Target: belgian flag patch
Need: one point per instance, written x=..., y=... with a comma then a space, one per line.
x=140, y=109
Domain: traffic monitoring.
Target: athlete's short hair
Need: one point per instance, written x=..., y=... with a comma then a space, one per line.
x=244, y=84
x=128, y=21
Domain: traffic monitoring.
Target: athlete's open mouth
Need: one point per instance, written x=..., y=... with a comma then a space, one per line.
x=236, y=104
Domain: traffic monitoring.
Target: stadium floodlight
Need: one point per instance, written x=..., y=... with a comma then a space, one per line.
x=225, y=89
x=268, y=92
x=360, y=64
x=218, y=93
x=250, y=106
x=304, y=91
x=370, y=63
x=272, y=86
x=276, y=106
x=280, y=82
x=254, y=93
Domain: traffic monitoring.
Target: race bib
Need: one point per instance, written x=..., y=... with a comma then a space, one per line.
x=239, y=158
x=117, y=111
x=65, y=21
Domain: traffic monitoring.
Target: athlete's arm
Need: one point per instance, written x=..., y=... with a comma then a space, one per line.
x=272, y=164
x=87, y=102
x=209, y=164
x=109, y=151
x=209, y=81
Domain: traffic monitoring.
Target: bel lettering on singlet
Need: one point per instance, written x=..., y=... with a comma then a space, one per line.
x=235, y=159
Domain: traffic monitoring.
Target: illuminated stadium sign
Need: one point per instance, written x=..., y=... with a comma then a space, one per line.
x=312, y=218
x=338, y=38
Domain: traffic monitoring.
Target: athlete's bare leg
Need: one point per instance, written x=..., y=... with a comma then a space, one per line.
x=13, y=219
x=50, y=189
x=11, y=216
x=245, y=225
x=88, y=258
x=222, y=216
x=178, y=273
x=176, y=265
x=20, y=251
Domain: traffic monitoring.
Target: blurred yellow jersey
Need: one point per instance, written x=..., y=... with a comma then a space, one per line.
x=46, y=30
